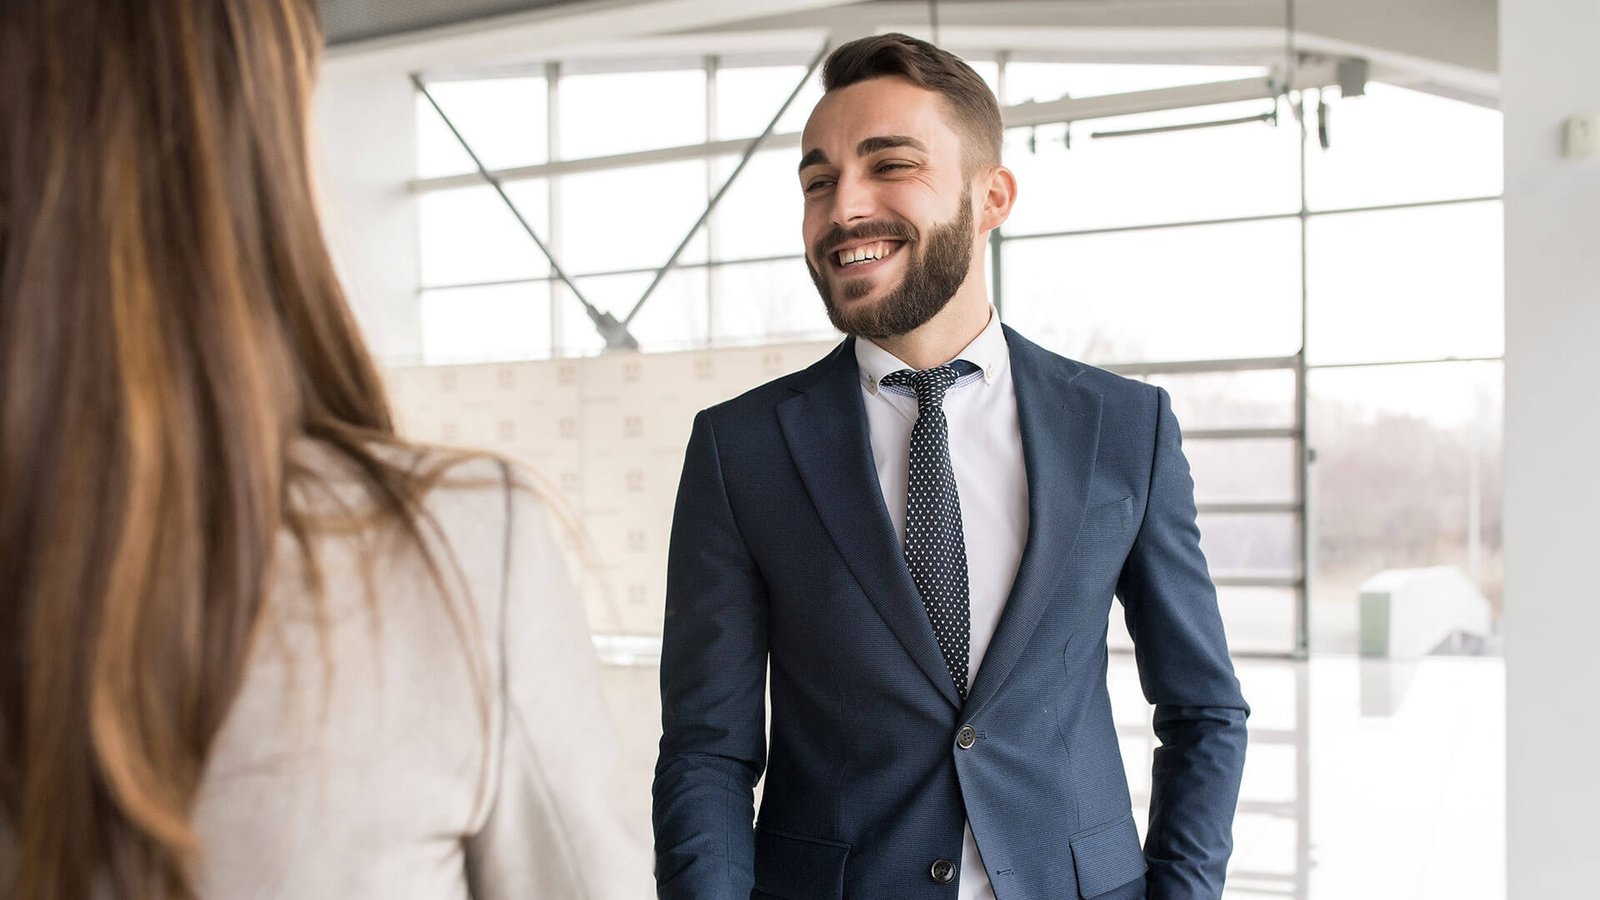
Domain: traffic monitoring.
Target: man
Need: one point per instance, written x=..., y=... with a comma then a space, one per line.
x=914, y=545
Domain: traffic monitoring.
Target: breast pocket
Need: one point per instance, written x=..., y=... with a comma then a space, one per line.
x=791, y=867
x=1111, y=517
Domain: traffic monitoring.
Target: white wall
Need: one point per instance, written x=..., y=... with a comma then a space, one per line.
x=1549, y=70
x=366, y=148
x=606, y=437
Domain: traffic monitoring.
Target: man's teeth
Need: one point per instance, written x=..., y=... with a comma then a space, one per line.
x=865, y=253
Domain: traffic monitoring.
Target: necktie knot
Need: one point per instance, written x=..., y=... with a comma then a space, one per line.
x=930, y=385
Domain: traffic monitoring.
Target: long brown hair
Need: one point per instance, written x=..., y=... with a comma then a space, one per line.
x=170, y=325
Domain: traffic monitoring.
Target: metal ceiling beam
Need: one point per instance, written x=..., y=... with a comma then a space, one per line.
x=615, y=333
x=1313, y=74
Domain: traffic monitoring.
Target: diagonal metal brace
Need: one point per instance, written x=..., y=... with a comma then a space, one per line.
x=716, y=198
x=616, y=334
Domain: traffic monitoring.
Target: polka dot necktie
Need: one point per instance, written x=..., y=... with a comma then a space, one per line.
x=936, y=549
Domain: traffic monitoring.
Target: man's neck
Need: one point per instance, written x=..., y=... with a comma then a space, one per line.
x=938, y=340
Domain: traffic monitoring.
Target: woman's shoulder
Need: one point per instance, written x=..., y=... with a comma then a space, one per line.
x=482, y=514
x=437, y=478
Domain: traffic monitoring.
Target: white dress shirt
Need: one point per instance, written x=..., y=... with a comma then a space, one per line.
x=986, y=454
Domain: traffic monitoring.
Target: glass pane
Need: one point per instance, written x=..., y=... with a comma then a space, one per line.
x=1259, y=470
x=1400, y=146
x=631, y=218
x=1407, y=475
x=1259, y=620
x=469, y=236
x=1261, y=399
x=1256, y=620
x=1209, y=173
x=1272, y=687
x=1407, y=284
x=760, y=215
x=768, y=302
x=747, y=98
x=674, y=318
x=1208, y=292
x=504, y=119
x=1045, y=81
x=438, y=151
x=1253, y=544
x=989, y=71
x=619, y=112
x=486, y=324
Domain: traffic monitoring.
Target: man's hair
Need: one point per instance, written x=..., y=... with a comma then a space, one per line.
x=973, y=108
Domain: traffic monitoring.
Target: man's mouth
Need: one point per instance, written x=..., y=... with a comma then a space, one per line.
x=862, y=257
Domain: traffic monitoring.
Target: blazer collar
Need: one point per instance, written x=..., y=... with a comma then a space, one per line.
x=825, y=426
x=1060, y=424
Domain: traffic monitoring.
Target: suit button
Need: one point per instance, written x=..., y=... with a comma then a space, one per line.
x=943, y=871
x=966, y=737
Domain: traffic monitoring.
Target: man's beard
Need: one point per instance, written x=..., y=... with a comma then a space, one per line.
x=931, y=279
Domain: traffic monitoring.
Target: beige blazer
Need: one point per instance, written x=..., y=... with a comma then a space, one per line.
x=450, y=750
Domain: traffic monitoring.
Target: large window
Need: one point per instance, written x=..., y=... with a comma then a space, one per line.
x=1326, y=318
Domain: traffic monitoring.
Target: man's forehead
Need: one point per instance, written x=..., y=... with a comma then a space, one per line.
x=844, y=118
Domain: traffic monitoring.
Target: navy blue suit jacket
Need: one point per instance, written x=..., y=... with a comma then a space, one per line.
x=785, y=575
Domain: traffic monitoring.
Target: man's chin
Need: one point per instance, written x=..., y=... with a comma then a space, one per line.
x=860, y=316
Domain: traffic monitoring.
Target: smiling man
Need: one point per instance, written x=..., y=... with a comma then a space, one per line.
x=913, y=547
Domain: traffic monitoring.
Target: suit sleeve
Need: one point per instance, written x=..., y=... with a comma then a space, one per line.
x=1171, y=610
x=713, y=692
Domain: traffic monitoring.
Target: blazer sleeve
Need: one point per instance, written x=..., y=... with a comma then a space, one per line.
x=551, y=826
x=1171, y=609
x=713, y=691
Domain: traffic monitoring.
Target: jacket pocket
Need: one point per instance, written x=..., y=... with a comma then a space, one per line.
x=1106, y=857
x=799, y=868
x=1115, y=515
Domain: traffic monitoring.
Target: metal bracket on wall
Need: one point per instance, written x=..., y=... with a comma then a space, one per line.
x=615, y=333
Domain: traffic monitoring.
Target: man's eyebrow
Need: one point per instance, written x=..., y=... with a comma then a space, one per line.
x=869, y=146
x=889, y=141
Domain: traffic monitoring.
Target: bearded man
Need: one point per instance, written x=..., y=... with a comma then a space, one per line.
x=913, y=545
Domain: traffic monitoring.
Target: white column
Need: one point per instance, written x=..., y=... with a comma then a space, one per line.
x=1550, y=70
x=366, y=148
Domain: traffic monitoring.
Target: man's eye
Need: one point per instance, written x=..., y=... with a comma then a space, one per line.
x=817, y=185
x=889, y=167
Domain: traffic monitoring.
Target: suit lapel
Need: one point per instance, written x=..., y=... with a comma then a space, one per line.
x=1060, y=422
x=825, y=426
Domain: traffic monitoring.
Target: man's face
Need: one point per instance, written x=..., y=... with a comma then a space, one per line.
x=888, y=211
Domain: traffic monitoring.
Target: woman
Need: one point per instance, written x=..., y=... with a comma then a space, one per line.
x=252, y=644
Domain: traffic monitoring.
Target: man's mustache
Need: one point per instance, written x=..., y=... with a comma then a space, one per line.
x=866, y=231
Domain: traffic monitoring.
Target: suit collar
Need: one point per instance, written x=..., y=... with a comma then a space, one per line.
x=825, y=426
x=1060, y=424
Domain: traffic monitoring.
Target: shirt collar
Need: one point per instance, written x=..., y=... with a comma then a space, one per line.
x=988, y=351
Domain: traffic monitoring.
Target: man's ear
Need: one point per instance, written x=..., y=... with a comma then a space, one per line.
x=997, y=193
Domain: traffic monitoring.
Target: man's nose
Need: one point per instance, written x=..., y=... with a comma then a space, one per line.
x=853, y=201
